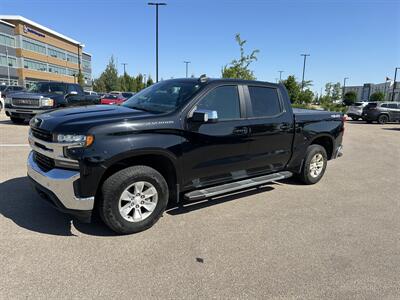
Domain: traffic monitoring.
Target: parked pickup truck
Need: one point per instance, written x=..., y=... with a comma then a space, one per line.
x=44, y=96
x=180, y=139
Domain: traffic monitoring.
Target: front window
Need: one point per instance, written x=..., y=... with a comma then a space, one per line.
x=165, y=96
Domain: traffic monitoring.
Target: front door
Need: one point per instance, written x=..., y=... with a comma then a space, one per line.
x=216, y=152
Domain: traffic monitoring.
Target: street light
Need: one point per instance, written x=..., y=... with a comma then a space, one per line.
x=186, y=63
x=280, y=75
x=344, y=85
x=304, y=69
x=394, y=83
x=124, y=64
x=156, y=4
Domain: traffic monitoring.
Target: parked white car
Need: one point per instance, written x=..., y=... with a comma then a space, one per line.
x=355, y=110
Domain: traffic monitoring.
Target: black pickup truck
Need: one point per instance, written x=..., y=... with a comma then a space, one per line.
x=180, y=139
x=44, y=96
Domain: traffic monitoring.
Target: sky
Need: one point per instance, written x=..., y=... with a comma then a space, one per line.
x=354, y=38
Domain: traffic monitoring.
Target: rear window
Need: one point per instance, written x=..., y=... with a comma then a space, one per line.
x=392, y=105
x=264, y=101
x=110, y=96
x=371, y=105
x=358, y=104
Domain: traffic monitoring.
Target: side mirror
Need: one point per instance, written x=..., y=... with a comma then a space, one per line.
x=204, y=116
x=72, y=93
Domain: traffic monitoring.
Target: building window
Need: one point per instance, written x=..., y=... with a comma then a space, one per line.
x=35, y=65
x=72, y=58
x=7, y=40
x=56, y=53
x=86, y=64
x=72, y=72
x=33, y=46
x=12, y=61
x=57, y=70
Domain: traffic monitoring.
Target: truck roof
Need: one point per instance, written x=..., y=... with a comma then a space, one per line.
x=225, y=80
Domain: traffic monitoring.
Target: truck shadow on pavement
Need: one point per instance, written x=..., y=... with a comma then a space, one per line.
x=21, y=204
x=187, y=207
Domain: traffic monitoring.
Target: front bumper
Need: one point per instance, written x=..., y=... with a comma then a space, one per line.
x=57, y=185
x=23, y=112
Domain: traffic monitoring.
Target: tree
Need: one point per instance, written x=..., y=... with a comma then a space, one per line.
x=305, y=97
x=349, y=98
x=109, y=78
x=149, y=81
x=98, y=85
x=239, y=68
x=293, y=88
x=336, y=91
x=377, y=96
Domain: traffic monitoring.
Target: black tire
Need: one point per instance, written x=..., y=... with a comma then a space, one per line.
x=112, y=190
x=383, y=119
x=355, y=118
x=17, y=120
x=305, y=175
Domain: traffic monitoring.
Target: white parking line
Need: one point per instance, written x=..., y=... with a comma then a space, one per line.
x=14, y=145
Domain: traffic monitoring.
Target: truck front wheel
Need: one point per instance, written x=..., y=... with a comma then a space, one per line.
x=314, y=164
x=133, y=199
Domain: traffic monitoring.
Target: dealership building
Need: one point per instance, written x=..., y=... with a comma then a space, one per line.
x=367, y=89
x=31, y=52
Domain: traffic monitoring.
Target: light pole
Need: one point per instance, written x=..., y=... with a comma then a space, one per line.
x=186, y=63
x=144, y=80
x=304, y=69
x=156, y=4
x=386, y=81
x=344, y=85
x=394, y=83
x=8, y=67
x=124, y=64
x=280, y=75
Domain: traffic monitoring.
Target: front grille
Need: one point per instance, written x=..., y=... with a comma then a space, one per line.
x=45, y=163
x=25, y=102
x=42, y=134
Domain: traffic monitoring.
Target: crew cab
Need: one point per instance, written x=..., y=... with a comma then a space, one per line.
x=43, y=96
x=177, y=140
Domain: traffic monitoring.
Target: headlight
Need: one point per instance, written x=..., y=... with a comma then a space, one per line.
x=75, y=138
x=46, y=102
x=7, y=101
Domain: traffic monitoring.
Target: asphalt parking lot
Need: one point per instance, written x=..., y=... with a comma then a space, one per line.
x=337, y=239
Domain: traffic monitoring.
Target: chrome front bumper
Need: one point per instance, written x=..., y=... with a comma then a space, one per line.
x=61, y=183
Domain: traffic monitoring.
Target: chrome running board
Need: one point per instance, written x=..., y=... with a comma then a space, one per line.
x=235, y=186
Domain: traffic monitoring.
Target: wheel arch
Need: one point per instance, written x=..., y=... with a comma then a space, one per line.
x=326, y=141
x=162, y=161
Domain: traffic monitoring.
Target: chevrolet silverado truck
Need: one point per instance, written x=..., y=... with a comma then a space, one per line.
x=177, y=140
x=44, y=96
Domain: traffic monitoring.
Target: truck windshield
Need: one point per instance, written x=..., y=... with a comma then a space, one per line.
x=47, y=87
x=163, y=97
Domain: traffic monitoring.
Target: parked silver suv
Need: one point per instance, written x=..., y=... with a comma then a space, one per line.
x=355, y=110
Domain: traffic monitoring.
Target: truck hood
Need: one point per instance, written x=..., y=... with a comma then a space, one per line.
x=81, y=119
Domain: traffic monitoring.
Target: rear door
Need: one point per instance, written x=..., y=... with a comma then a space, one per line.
x=394, y=111
x=271, y=129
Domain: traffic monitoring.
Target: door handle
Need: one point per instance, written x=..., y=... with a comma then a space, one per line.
x=285, y=126
x=241, y=131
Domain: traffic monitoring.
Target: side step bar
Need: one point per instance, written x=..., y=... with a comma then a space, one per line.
x=234, y=186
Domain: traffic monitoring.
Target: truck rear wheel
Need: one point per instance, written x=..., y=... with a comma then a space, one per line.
x=133, y=199
x=383, y=119
x=314, y=164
